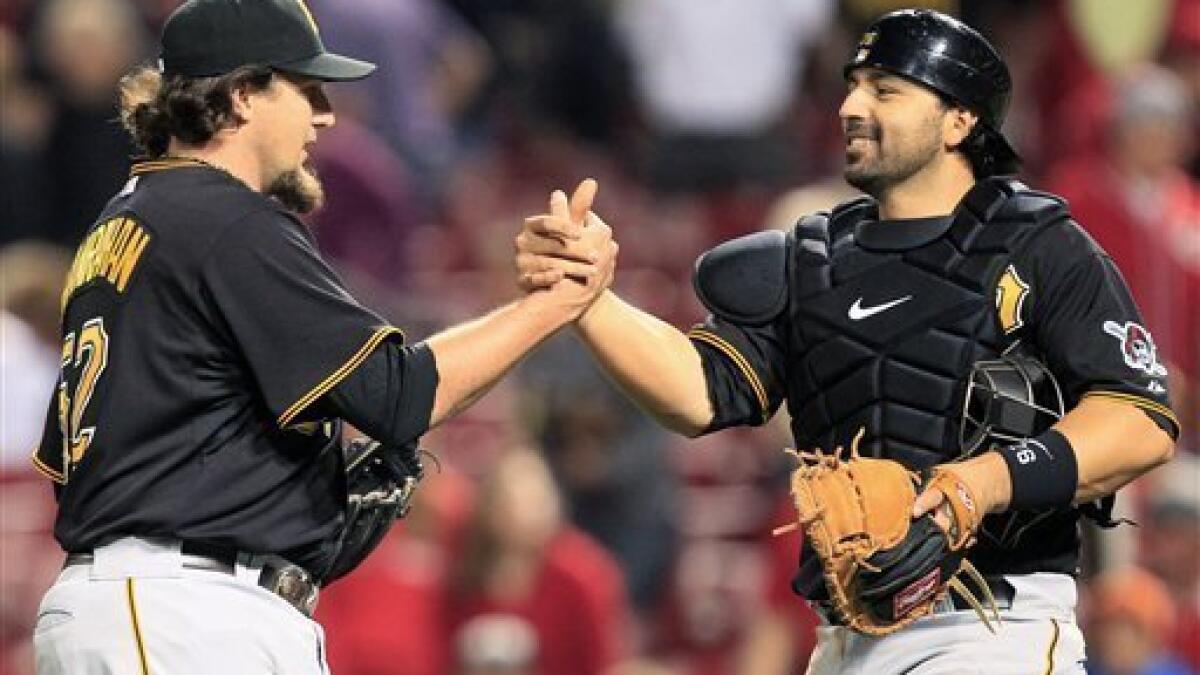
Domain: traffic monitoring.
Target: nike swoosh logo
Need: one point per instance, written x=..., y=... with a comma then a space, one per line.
x=858, y=312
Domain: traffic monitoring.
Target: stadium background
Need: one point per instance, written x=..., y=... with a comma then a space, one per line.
x=564, y=534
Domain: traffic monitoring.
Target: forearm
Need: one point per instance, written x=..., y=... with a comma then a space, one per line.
x=653, y=362
x=471, y=357
x=1113, y=443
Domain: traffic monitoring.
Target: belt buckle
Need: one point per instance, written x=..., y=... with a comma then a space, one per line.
x=295, y=585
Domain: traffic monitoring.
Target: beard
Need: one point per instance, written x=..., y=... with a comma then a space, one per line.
x=877, y=169
x=298, y=190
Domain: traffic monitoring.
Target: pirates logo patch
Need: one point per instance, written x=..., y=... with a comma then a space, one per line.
x=1137, y=347
x=1011, y=292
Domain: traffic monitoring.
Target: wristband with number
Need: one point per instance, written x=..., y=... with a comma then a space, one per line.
x=1044, y=471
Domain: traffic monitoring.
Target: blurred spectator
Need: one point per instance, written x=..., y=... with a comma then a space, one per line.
x=1131, y=614
x=522, y=561
x=715, y=81
x=24, y=124
x=496, y=644
x=1170, y=541
x=821, y=195
x=782, y=635
x=389, y=616
x=717, y=591
x=1144, y=209
x=433, y=68
x=1183, y=56
x=86, y=46
x=31, y=279
x=1085, y=45
x=558, y=67
x=372, y=206
x=610, y=462
x=863, y=12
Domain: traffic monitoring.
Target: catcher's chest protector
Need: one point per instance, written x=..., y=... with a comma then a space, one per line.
x=884, y=337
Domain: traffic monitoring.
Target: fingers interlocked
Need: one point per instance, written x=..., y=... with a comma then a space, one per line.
x=568, y=242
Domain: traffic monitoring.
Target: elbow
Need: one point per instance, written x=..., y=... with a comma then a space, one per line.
x=684, y=426
x=688, y=423
x=690, y=419
x=1162, y=448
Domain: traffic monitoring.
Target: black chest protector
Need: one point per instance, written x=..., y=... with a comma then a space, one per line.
x=882, y=332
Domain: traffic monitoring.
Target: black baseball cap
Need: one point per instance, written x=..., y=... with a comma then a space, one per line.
x=205, y=38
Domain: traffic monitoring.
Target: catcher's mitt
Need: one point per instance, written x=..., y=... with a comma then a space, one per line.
x=882, y=570
x=380, y=481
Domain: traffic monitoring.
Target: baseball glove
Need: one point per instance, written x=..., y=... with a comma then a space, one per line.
x=882, y=570
x=380, y=481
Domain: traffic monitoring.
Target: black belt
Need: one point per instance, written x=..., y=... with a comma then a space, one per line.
x=289, y=581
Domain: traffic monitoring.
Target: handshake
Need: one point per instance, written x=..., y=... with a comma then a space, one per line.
x=566, y=258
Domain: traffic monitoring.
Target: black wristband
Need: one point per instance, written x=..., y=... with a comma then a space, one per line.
x=1044, y=472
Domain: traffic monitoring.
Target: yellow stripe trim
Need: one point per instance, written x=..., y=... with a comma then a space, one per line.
x=1053, y=646
x=740, y=361
x=1153, y=406
x=137, y=627
x=46, y=470
x=339, y=374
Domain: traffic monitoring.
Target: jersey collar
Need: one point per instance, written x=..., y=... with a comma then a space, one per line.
x=162, y=164
x=901, y=234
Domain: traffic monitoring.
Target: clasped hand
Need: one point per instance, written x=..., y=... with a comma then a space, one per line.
x=568, y=251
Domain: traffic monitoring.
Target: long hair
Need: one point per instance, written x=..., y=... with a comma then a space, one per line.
x=988, y=155
x=156, y=108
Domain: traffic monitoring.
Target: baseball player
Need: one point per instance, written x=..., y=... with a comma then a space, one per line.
x=872, y=317
x=209, y=357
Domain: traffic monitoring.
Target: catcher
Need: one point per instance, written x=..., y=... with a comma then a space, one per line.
x=923, y=329
x=210, y=357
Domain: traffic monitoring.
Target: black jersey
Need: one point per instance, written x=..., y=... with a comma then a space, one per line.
x=199, y=326
x=885, y=319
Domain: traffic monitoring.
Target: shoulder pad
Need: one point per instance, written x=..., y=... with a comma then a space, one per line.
x=852, y=206
x=745, y=279
x=848, y=214
x=1040, y=207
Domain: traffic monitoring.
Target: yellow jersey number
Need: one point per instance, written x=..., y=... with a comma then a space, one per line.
x=87, y=355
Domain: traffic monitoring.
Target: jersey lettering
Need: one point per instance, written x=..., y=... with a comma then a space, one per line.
x=110, y=252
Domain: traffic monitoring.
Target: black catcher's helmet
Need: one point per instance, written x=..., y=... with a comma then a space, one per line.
x=1008, y=400
x=949, y=57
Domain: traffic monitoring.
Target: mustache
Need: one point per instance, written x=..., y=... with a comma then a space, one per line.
x=859, y=128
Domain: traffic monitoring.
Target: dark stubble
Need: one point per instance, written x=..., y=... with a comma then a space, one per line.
x=882, y=170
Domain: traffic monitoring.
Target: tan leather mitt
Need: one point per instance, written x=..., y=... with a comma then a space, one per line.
x=882, y=569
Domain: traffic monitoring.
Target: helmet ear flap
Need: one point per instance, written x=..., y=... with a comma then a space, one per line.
x=1008, y=400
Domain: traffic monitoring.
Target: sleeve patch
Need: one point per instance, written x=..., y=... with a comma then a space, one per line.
x=1137, y=347
x=1011, y=292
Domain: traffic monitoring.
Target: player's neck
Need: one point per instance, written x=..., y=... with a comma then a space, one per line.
x=935, y=191
x=234, y=159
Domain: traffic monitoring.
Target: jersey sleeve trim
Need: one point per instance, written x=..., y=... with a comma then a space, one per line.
x=339, y=374
x=45, y=469
x=1143, y=403
x=723, y=346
